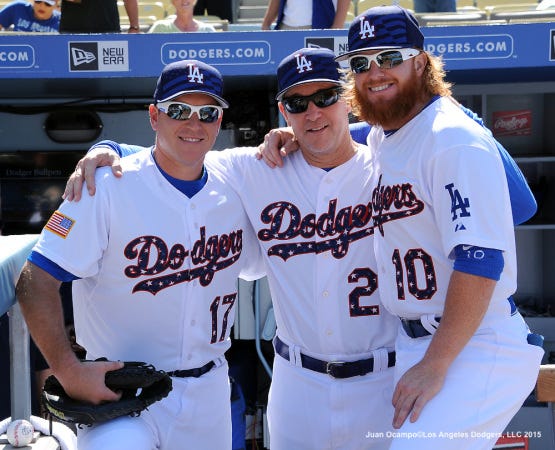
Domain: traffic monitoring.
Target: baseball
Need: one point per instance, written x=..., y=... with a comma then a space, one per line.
x=20, y=433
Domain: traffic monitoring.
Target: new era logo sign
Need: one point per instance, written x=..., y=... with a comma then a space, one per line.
x=83, y=56
x=80, y=56
x=101, y=56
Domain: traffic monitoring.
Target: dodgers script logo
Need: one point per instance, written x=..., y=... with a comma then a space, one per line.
x=195, y=76
x=153, y=257
x=394, y=202
x=303, y=65
x=338, y=228
x=366, y=29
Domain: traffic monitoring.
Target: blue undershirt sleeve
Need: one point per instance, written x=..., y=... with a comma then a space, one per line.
x=51, y=267
x=480, y=261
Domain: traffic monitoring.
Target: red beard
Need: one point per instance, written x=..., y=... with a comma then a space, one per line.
x=378, y=112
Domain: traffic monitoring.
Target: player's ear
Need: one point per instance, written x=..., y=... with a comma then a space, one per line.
x=283, y=112
x=220, y=120
x=420, y=62
x=153, y=115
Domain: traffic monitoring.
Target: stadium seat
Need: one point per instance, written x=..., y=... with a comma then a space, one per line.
x=506, y=4
x=351, y=13
x=428, y=19
x=215, y=21
x=493, y=10
x=453, y=23
x=524, y=16
x=168, y=5
x=145, y=22
x=152, y=8
x=462, y=4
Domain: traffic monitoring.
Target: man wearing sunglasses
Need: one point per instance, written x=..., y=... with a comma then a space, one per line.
x=445, y=250
x=38, y=16
x=332, y=377
x=314, y=225
x=154, y=258
x=445, y=246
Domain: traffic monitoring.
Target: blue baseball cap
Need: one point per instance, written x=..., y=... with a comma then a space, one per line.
x=187, y=77
x=307, y=65
x=383, y=27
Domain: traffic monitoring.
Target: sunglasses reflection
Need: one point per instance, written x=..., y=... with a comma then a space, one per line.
x=388, y=59
x=322, y=99
x=184, y=111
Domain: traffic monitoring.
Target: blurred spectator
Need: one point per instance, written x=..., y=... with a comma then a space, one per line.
x=97, y=16
x=13, y=253
x=221, y=8
x=38, y=365
x=39, y=372
x=14, y=250
x=431, y=6
x=182, y=21
x=296, y=14
x=38, y=16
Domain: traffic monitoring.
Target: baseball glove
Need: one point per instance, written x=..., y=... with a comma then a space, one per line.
x=141, y=385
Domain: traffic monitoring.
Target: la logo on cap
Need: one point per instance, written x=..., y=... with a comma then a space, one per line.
x=303, y=65
x=366, y=29
x=195, y=76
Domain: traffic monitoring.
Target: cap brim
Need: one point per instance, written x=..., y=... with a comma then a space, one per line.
x=347, y=55
x=281, y=93
x=223, y=103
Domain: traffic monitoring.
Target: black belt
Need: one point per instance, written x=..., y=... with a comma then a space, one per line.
x=196, y=372
x=335, y=369
x=415, y=329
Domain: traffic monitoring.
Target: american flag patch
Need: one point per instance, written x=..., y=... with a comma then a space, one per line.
x=59, y=224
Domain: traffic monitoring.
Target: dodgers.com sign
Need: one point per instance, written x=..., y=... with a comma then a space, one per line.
x=222, y=53
x=485, y=46
x=17, y=56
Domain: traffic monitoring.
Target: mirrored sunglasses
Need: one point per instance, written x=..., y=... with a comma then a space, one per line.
x=184, y=111
x=388, y=59
x=322, y=99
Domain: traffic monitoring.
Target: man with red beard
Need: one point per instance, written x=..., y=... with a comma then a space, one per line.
x=444, y=242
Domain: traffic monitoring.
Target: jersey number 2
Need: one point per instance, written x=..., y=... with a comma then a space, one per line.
x=366, y=290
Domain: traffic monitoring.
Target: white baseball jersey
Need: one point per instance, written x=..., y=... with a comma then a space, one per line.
x=158, y=269
x=436, y=178
x=315, y=228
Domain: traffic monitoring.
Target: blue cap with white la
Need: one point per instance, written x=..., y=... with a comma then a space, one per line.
x=306, y=66
x=189, y=76
x=383, y=27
